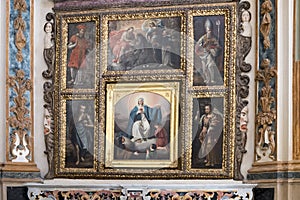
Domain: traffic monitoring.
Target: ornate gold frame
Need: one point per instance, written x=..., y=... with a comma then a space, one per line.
x=228, y=135
x=117, y=91
x=228, y=48
x=61, y=165
x=173, y=84
x=121, y=16
x=63, y=48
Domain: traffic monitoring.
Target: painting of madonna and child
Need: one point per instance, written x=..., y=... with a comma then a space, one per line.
x=207, y=133
x=144, y=44
x=142, y=127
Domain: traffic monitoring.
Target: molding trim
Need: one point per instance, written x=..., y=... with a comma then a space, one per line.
x=68, y=5
x=274, y=176
x=278, y=171
x=276, y=166
x=21, y=175
x=296, y=109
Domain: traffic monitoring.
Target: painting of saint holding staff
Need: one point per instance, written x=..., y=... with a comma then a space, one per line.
x=208, y=51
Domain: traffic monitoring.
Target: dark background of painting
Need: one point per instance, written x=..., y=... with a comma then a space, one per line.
x=198, y=105
x=147, y=57
x=199, y=31
x=72, y=107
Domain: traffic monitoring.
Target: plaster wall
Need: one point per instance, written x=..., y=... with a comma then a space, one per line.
x=2, y=79
x=284, y=69
x=42, y=7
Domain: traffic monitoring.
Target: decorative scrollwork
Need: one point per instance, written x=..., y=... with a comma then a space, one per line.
x=265, y=144
x=139, y=194
x=49, y=57
x=49, y=50
x=19, y=26
x=197, y=194
x=265, y=26
x=244, y=47
x=77, y=194
x=19, y=119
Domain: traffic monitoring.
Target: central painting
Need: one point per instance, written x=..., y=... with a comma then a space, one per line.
x=152, y=43
x=142, y=123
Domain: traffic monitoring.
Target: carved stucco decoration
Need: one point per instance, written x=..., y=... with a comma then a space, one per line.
x=266, y=116
x=140, y=195
x=265, y=26
x=244, y=47
x=19, y=26
x=77, y=194
x=19, y=119
x=197, y=194
x=49, y=57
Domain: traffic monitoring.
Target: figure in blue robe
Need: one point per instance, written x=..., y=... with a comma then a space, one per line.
x=141, y=121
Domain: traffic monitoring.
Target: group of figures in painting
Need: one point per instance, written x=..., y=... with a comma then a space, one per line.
x=143, y=131
x=141, y=45
x=144, y=44
x=147, y=44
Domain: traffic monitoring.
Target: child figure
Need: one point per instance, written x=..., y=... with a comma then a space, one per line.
x=151, y=153
x=161, y=137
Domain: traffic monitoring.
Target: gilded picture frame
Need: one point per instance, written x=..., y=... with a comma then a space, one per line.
x=143, y=42
x=78, y=134
x=79, y=52
x=212, y=41
x=113, y=92
x=146, y=139
x=211, y=144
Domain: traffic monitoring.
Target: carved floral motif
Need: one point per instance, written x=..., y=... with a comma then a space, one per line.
x=152, y=195
x=19, y=26
x=77, y=194
x=265, y=143
x=19, y=119
x=265, y=26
